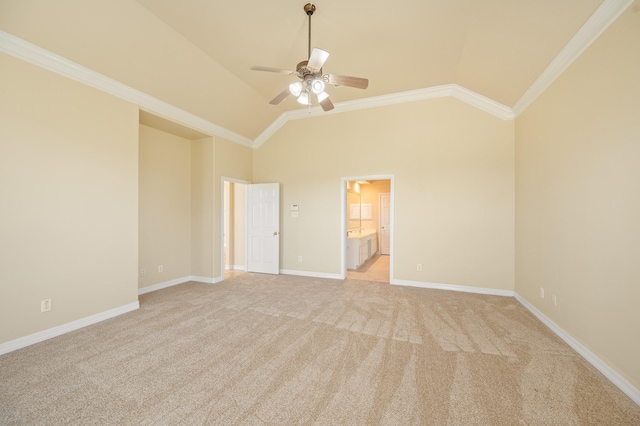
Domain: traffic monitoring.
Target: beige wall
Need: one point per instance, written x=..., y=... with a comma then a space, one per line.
x=202, y=208
x=578, y=198
x=164, y=206
x=69, y=191
x=69, y=221
x=454, y=188
x=181, y=204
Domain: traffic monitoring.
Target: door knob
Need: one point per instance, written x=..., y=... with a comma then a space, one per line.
x=275, y=233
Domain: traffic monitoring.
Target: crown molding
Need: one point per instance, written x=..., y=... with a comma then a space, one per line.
x=273, y=127
x=604, y=16
x=481, y=102
x=601, y=19
x=38, y=56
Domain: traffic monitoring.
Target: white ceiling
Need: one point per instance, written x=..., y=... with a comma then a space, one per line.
x=496, y=48
x=194, y=56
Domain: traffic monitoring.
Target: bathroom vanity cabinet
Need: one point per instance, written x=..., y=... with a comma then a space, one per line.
x=360, y=247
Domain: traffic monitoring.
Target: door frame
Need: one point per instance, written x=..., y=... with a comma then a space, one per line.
x=224, y=179
x=343, y=220
x=379, y=223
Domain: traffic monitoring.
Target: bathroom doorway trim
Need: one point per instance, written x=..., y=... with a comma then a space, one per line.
x=343, y=220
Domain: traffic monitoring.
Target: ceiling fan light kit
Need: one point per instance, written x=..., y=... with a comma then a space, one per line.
x=303, y=98
x=295, y=88
x=313, y=80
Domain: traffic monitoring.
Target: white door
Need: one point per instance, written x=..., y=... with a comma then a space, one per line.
x=385, y=223
x=263, y=228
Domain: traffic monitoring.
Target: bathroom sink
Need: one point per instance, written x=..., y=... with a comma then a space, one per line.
x=364, y=233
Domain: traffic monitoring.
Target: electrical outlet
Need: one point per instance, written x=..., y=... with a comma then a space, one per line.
x=541, y=293
x=299, y=258
x=160, y=268
x=143, y=272
x=554, y=299
x=419, y=266
x=45, y=305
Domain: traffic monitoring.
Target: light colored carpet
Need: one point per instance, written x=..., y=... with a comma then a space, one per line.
x=259, y=349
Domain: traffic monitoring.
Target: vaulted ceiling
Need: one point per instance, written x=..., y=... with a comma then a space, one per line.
x=197, y=54
x=496, y=48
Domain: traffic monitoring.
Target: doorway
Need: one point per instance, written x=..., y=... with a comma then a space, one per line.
x=368, y=228
x=233, y=225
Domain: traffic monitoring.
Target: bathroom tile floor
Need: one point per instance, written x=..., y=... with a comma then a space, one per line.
x=374, y=269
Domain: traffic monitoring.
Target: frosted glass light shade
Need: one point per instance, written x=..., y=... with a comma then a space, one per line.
x=303, y=98
x=295, y=88
x=317, y=86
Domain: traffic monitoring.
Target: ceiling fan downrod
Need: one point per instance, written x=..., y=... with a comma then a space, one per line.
x=309, y=8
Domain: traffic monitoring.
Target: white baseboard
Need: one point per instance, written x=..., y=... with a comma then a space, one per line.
x=600, y=365
x=177, y=281
x=311, y=274
x=234, y=268
x=206, y=280
x=454, y=287
x=165, y=284
x=65, y=328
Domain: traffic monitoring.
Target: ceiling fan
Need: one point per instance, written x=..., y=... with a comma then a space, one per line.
x=313, y=81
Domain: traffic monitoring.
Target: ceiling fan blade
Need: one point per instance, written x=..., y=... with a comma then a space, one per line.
x=281, y=97
x=345, y=80
x=270, y=69
x=317, y=59
x=326, y=104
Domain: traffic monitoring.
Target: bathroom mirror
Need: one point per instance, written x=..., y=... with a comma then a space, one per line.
x=353, y=211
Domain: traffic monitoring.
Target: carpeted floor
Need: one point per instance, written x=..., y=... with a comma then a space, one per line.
x=260, y=349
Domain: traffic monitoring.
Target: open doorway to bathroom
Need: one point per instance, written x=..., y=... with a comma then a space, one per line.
x=233, y=226
x=368, y=228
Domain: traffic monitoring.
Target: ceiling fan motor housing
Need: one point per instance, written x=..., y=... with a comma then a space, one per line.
x=301, y=67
